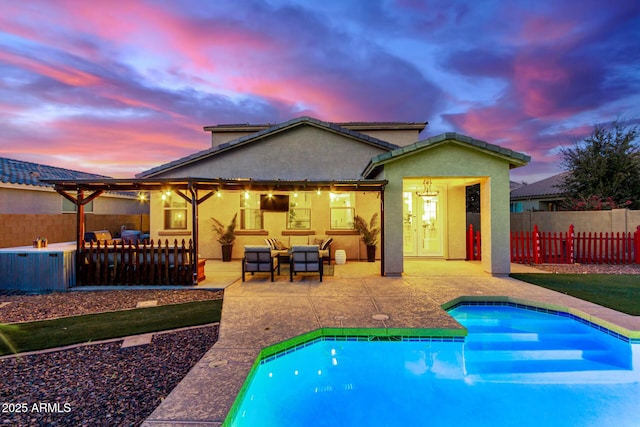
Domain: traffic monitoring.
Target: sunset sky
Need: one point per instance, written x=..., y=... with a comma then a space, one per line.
x=117, y=87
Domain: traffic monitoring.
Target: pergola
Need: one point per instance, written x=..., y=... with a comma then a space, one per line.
x=82, y=191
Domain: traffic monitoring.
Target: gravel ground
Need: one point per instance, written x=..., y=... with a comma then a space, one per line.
x=100, y=384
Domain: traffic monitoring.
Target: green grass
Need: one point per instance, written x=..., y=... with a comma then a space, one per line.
x=31, y=336
x=620, y=292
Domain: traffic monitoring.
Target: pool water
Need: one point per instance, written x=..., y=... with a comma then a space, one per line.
x=516, y=367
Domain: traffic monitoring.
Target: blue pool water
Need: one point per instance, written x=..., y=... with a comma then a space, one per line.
x=516, y=367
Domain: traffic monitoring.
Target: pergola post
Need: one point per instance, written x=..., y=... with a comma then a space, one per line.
x=194, y=220
x=80, y=224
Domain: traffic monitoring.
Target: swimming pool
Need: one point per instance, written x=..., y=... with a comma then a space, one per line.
x=517, y=366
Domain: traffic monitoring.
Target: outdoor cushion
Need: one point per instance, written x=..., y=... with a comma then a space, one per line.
x=326, y=243
x=271, y=242
x=304, y=259
x=298, y=240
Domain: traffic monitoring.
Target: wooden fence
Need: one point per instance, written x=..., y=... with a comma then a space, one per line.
x=566, y=248
x=142, y=263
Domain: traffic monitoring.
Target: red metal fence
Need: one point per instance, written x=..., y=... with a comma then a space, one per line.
x=566, y=248
x=142, y=263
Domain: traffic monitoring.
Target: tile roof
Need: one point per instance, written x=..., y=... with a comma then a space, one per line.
x=550, y=186
x=257, y=136
x=514, y=157
x=27, y=173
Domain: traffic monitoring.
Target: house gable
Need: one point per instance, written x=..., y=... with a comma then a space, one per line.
x=464, y=145
x=399, y=133
x=303, y=148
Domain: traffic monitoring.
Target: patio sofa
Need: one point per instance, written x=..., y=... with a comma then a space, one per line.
x=281, y=247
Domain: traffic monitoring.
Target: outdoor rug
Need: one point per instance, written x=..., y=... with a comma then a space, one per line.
x=328, y=271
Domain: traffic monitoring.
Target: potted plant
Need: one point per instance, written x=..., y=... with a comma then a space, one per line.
x=369, y=231
x=226, y=236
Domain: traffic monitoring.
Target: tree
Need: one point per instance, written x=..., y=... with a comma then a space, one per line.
x=604, y=169
x=473, y=198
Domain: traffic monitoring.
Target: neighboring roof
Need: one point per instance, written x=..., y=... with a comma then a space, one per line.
x=27, y=173
x=513, y=185
x=551, y=186
x=258, y=136
x=513, y=157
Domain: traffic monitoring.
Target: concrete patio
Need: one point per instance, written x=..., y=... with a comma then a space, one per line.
x=258, y=313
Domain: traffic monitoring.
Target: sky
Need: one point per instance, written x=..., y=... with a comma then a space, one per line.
x=118, y=87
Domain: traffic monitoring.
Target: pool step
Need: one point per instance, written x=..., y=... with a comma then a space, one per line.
x=528, y=361
x=532, y=341
x=516, y=325
x=599, y=376
x=512, y=341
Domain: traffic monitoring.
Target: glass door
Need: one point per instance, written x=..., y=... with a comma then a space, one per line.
x=409, y=230
x=430, y=229
x=423, y=223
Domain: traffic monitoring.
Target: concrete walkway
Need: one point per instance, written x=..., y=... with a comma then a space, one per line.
x=259, y=313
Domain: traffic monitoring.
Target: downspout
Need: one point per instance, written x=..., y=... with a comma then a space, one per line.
x=80, y=229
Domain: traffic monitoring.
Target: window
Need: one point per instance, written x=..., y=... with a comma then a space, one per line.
x=299, y=217
x=516, y=207
x=250, y=213
x=69, y=207
x=342, y=207
x=175, y=211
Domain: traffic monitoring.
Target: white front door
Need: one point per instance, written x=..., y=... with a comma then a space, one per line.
x=423, y=221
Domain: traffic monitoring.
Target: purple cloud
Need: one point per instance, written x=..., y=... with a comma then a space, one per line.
x=76, y=77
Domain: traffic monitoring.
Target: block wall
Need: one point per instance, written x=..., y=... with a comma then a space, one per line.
x=22, y=229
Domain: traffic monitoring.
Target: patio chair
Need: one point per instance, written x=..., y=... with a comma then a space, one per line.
x=258, y=259
x=305, y=259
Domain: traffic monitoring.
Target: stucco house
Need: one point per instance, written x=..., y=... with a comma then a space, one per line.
x=307, y=178
x=544, y=195
x=30, y=207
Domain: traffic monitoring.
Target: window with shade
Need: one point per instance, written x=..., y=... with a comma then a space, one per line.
x=175, y=211
x=342, y=206
x=70, y=207
x=250, y=213
x=299, y=216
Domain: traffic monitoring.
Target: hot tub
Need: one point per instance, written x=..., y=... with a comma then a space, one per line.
x=50, y=268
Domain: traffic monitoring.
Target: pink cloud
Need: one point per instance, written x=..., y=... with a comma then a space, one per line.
x=60, y=72
x=533, y=78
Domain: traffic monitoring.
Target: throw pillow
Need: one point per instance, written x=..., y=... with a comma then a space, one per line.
x=271, y=242
x=325, y=244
